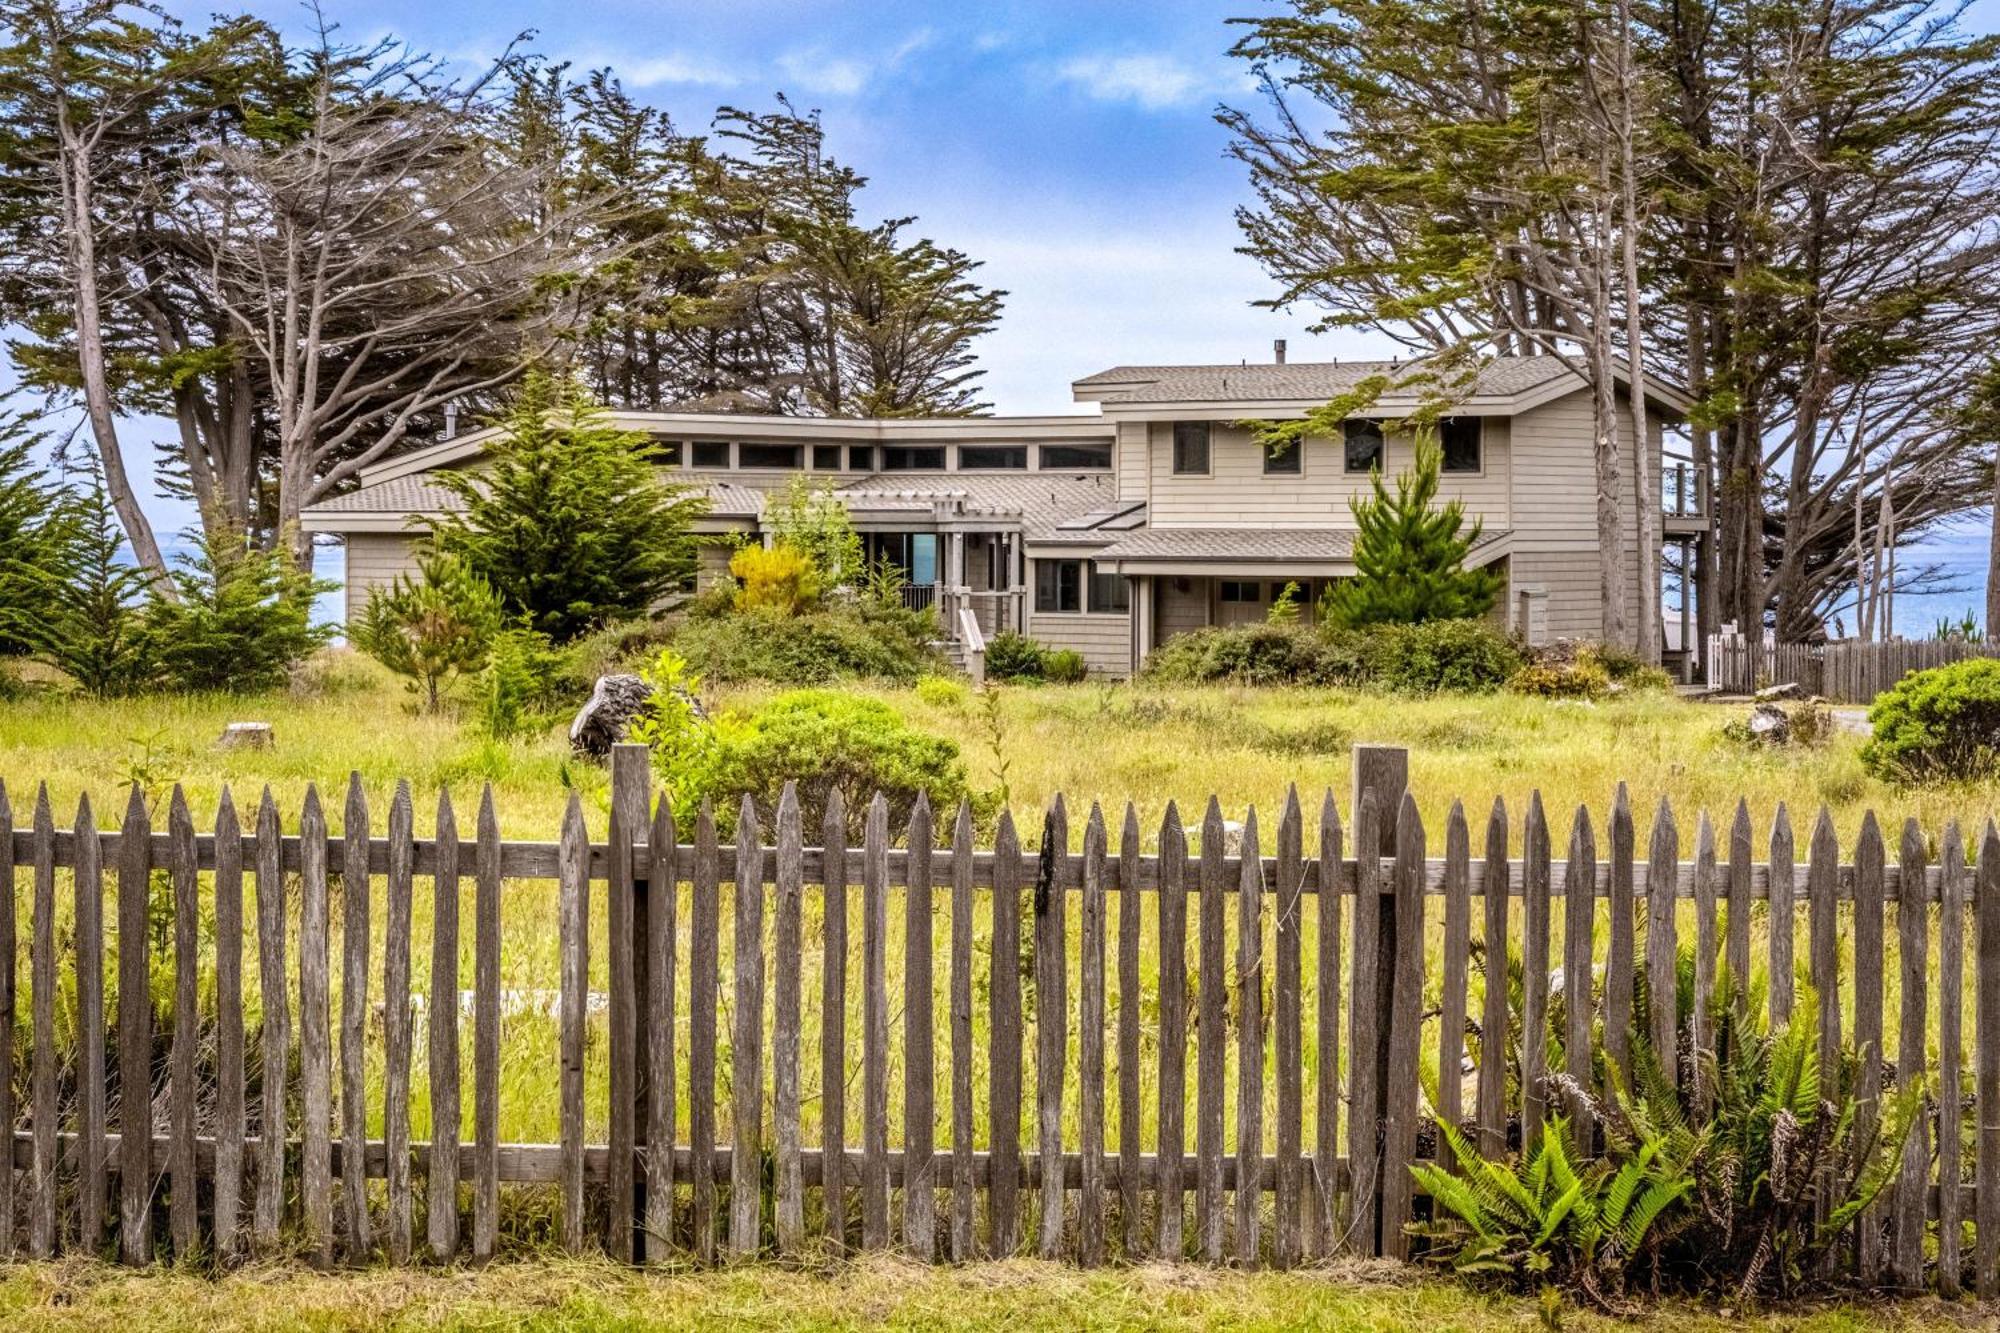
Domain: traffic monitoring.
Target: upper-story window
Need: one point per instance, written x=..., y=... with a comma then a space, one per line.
x=861, y=458
x=1363, y=441
x=993, y=457
x=667, y=453
x=711, y=453
x=1283, y=460
x=826, y=458
x=769, y=455
x=1190, y=448
x=913, y=458
x=1075, y=457
x=1458, y=438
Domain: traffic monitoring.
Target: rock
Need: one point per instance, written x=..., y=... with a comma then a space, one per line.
x=1770, y=724
x=603, y=721
x=1232, y=837
x=1772, y=693
x=247, y=736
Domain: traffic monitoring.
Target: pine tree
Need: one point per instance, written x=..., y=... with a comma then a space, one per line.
x=93, y=631
x=434, y=628
x=570, y=524
x=34, y=548
x=1410, y=557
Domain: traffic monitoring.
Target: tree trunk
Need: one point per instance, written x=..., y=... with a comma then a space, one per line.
x=1646, y=471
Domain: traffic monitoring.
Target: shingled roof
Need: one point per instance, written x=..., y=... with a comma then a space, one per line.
x=1249, y=545
x=1304, y=381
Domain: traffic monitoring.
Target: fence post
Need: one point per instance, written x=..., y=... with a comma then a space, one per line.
x=1384, y=770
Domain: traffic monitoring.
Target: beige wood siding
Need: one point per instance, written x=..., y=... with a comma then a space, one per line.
x=1237, y=493
x=712, y=564
x=1184, y=606
x=1130, y=459
x=1573, y=609
x=374, y=559
x=1104, y=640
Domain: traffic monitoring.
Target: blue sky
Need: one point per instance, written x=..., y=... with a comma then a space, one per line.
x=1072, y=146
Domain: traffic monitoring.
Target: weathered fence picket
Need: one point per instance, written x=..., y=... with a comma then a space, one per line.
x=1293, y=1035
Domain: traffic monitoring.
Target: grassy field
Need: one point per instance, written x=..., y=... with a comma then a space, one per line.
x=887, y=1293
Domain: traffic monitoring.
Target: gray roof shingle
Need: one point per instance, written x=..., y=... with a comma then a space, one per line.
x=1245, y=544
x=1303, y=380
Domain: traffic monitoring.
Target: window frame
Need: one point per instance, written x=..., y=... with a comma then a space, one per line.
x=1354, y=426
x=821, y=452
x=1478, y=469
x=1043, y=464
x=696, y=448
x=665, y=453
x=1207, y=445
x=1296, y=454
x=890, y=453
x=794, y=452
x=1124, y=594
x=1052, y=572
x=861, y=458
x=1019, y=451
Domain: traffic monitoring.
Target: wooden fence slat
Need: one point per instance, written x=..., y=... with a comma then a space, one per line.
x=1912, y=1056
x=486, y=1032
x=42, y=1069
x=87, y=925
x=1986, y=1074
x=230, y=1126
x=919, y=1072
x=1364, y=1024
x=1619, y=958
x=1130, y=1022
x=441, y=1178
x=1326, y=1090
x=786, y=1016
x=1004, y=1055
x=1399, y=1148
x=573, y=938
x=1211, y=1043
x=1171, y=1137
x=1493, y=1018
x=746, y=1067
x=833, y=1018
x=1249, y=1042
x=875, y=1027
x=275, y=1041
x=354, y=949
x=1701, y=1022
x=1822, y=872
x=1051, y=1017
x=661, y=1043
x=1534, y=972
x=1868, y=911
x=184, y=1217
x=396, y=1023
x=315, y=1035
x=1741, y=859
x=8, y=995
x=1781, y=921
x=705, y=921
x=1287, y=1037
x=630, y=778
x=964, y=1189
x=135, y=1024
x=1579, y=923
x=1090, y=1013
x=1663, y=942
x=1951, y=1032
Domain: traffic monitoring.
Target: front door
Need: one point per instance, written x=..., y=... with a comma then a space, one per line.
x=1241, y=601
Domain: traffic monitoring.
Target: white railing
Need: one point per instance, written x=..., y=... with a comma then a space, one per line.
x=973, y=639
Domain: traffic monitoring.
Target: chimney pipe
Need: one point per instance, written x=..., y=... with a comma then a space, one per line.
x=1278, y=346
x=451, y=420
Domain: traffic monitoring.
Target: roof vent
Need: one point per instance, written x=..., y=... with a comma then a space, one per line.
x=451, y=420
x=1278, y=350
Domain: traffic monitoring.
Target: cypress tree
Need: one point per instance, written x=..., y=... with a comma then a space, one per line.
x=1410, y=557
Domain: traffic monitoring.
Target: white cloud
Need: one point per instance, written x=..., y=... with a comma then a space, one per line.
x=673, y=67
x=816, y=70
x=1154, y=82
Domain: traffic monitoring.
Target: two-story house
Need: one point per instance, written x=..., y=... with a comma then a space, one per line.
x=1111, y=532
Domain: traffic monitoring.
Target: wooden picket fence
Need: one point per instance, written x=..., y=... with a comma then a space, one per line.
x=228, y=1155
x=1843, y=670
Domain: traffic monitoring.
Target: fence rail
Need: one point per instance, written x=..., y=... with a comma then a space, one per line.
x=1224, y=1059
x=1843, y=670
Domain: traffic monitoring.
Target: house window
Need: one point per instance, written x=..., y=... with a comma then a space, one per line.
x=1109, y=593
x=1283, y=460
x=667, y=453
x=1075, y=457
x=1458, y=437
x=826, y=458
x=1059, y=585
x=1364, y=445
x=709, y=453
x=993, y=457
x=913, y=458
x=1239, y=590
x=768, y=455
x=861, y=458
x=1190, y=448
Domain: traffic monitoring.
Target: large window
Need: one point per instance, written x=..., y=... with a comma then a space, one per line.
x=913, y=458
x=1190, y=448
x=1281, y=460
x=826, y=458
x=768, y=455
x=1059, y=585
x=1109, y=592
x=1068, y=457
x=1458, y=437
x=1363, y=445
x=861, y=457
x=992, y=457
x=711, y=453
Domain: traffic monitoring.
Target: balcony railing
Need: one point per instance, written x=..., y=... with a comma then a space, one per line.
x=1681, y=492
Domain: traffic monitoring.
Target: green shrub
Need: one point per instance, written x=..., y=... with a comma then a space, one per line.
x=1941, y=724
x=1266, y=654
x=807, y=517
x=522, y=685
x=1011, y=656
x=614, y=648
x=241, y=621
x=861, y=642
x=434, y=628
x=942, y=692
x=1439, y=656
x=1065, y=666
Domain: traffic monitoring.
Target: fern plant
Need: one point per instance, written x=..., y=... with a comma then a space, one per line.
x=1547, y=1218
